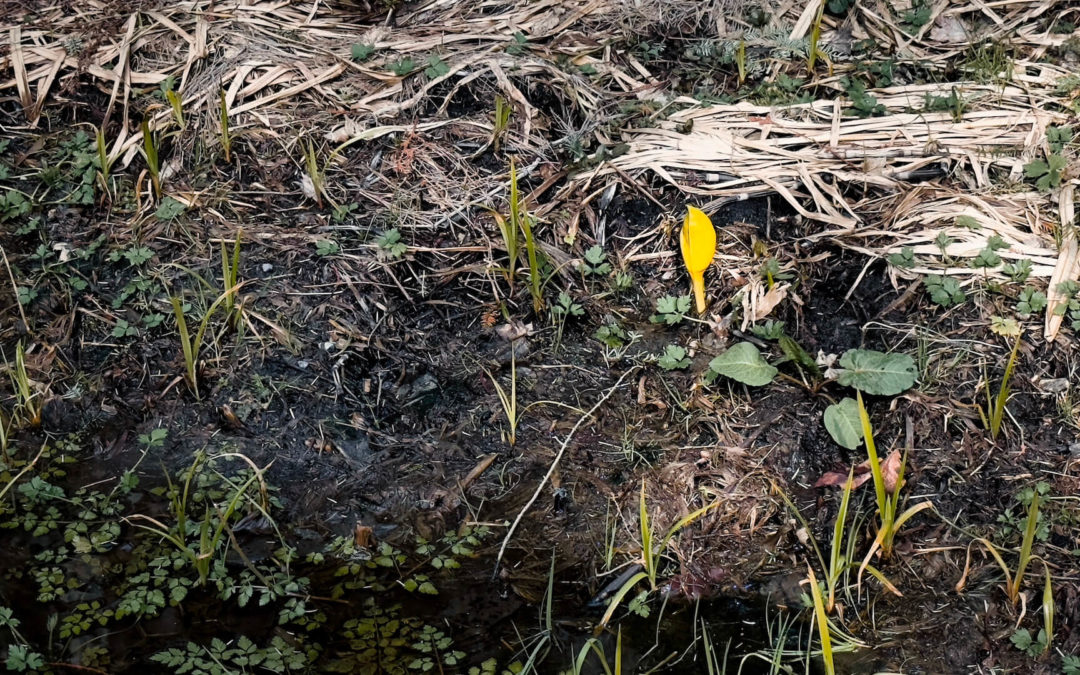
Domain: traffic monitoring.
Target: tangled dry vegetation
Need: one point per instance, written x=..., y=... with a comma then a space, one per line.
x=346, y=304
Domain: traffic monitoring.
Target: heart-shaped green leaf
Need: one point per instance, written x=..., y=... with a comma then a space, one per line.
x=744, y=363
x=876, y=373
x=843, y=424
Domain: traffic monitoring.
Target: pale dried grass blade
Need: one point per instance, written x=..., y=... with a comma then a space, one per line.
x=1068, y=264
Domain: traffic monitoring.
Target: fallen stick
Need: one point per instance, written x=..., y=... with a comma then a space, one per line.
x=551, y=469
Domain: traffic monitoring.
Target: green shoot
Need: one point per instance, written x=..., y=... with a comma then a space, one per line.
x=502, y=121
x=836, y=558
x=822, y=622
x=520, y=218
x=226, y=137
x=995, y=407
x=177, y=107
x=5, y=427
x=509, y=402
x=815, y=37
x=230, y=268
x=192, y=346
x=740, y=61
x=150, y=150
x=318, y=178
x=888, y=503
x=1012, y=582
x=212, y=528
x=510, y=243
x=27, y=402
x=840, y=561
x=651, y=553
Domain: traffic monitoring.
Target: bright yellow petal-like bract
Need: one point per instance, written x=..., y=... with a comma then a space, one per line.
x=698, y=243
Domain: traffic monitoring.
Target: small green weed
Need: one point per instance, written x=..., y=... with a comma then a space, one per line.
x=673, y=358
x=561, y=311
x=944, y=291
x=390, y=244
x=326, y=247
x=671, y=310
x=361, y=52
x=862, y=103
x=595, y=262
x=1030, y=301
x=904, y=259
x=1047, y=174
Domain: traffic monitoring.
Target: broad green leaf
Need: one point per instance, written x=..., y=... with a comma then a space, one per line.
x=876, y=373
x=744, y=363
x=842, y=423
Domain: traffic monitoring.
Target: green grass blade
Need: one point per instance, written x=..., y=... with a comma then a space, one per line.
x=875, y=463
x=822, y=624
x=1030, y=528
x=647, y=553
x=616, y=599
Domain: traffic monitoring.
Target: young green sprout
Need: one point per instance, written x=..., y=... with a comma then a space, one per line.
x=1013, y=582
x=151, y=152
x=651, y=554
x=995, y=406
x=890, y=519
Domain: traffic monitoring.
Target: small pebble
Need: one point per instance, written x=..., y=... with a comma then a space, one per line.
x=1057, y=385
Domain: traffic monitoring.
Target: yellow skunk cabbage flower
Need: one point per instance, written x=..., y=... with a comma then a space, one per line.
x=698, y=243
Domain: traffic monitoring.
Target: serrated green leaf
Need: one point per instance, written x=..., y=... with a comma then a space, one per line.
x=1035, y=169
x=876, y=373
x=744, y=363
x=843, y=424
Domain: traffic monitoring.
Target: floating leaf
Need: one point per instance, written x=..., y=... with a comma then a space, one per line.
x=744, y=363
x=876, y=373
x=842, y=423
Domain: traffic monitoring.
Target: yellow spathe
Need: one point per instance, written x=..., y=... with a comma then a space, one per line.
x=698, y=243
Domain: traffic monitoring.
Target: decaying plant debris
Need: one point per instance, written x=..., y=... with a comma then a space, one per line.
x=354, y=337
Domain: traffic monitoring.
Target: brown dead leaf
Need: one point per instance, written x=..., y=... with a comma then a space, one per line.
x=514, y=330
x=890, y=473
x=363, y=536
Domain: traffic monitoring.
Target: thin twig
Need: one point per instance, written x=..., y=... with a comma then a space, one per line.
x=14, y=287
x=554, y=464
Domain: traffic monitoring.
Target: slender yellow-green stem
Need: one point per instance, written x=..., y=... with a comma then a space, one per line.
x=230, y=270
x=508, y=401
x=650, y=553
x=995, y=407
x=822, y=624
x=177, y=107
x=191, y=346
x=520, y=218
x=815, y=37
x=888, y=503
x=502, y=121
x=1030, y=529
x=151, y=152
x=1013, y=582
